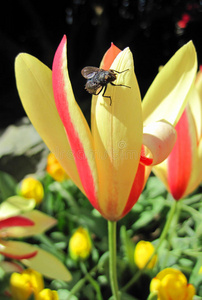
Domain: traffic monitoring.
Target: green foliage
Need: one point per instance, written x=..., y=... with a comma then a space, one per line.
x=182, y=248
x=7, y=186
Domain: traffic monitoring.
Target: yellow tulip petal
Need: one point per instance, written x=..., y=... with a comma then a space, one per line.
x=17, y=250
x=167, y=95
x=159, y=137
x=15, y=205
x=34, y=83
x=161, y=172
x=117, y=133
x=48, y=265
x=42, y=222
x=195, y=103
x=196, y=175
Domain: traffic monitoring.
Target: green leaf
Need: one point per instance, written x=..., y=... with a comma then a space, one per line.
x=128, y=247
x=7, y=185
x=63, y=295
x=149, y=213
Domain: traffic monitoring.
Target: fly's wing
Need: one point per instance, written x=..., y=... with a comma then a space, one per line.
x=89, y=72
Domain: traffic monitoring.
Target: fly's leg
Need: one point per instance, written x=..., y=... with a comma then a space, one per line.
x=109, y=97
x=119, y=85
x=119, y=72
x=103, y=94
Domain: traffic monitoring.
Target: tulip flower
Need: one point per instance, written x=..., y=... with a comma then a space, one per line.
x=142, y=254
x=54, y=169
x=25, y=284
x=80, y=244
x=171, y=284
x=32, y=188
x=107, y=162
x=26, y=225
x=181, y=172
x=47, y=294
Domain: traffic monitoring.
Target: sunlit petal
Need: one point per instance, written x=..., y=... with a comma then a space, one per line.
x=40, y=223
x=182, y=157
x=159, y=137
x=136, y=189
x=196, y=175
x=76, y=126
x=48, y=265
x=117, y=134
x=17, y=250
x=195, y=103
x=167, y=95
x=109, y=57
x=34, y=83
x=15, y=205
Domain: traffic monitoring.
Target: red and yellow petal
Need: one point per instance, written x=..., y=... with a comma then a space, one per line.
x=15, y=221
x=136, y=189
x=159, y=138
x=77, y=129
x=34, y=84
x=109, y=57
x=17, y=250
x=117, y=134
x=48, y=265
x=39, y=223
x=180, y=161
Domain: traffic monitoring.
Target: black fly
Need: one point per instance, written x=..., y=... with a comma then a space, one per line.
x=97, y=80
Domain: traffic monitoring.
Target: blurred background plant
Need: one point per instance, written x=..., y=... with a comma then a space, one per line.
x=81, y=231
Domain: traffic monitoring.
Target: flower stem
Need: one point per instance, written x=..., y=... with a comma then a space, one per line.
x=92, y=281
x=161, y=239
x=112, y=259
x=80, y=283
x=167, y=225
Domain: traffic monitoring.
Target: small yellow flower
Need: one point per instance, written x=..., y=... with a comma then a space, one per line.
x=171, y=284
x=54, y=169
x=143, y=252
x=32, y=188
x=47, y=294
x=80, y=244
x=25, y=284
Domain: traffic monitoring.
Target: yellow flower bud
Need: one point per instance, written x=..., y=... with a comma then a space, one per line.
x=143, y=252
x=80, y=244
x=32, y=188
x=47, y=294
x=171, y=284
x=25, y=284
x=54, y=169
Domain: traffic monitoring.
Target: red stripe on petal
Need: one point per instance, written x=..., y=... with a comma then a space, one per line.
x=110, y=56
x=144, y=160
x=61, y=99
x=180, y=159
x=136, y=190
x=15, y=221
x=23, y=256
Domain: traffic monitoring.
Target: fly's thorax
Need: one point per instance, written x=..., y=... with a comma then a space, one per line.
x=104, y=77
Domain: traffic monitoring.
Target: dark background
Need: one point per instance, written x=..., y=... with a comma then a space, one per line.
x=153, y=30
